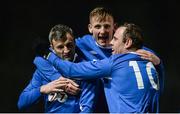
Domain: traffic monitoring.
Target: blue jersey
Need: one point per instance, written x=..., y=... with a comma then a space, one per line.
x=44, y=74
x=132, y=84
x=92, y=51
x=160, y=70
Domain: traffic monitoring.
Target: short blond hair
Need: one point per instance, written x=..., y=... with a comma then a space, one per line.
x=100, y=13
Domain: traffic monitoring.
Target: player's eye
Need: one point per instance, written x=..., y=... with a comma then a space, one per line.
x=60, y=47
x=70, y=45
x=106, y=26
x=97, y=26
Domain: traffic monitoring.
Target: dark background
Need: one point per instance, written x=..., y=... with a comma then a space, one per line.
x=21, y=22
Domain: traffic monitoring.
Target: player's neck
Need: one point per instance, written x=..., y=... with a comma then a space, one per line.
x=132, y=50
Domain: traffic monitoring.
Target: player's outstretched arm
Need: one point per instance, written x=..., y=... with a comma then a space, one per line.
x=82, y=70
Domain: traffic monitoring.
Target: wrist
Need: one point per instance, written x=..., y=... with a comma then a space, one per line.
x=42, y=90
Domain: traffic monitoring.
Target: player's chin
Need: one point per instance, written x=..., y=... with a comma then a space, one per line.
x=68, y=59
x=113, y=52
x=103, y=43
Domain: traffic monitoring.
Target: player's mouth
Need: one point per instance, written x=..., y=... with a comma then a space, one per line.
x=112, y=50
x=103, y=40
x=103, y=37
x=66, y=55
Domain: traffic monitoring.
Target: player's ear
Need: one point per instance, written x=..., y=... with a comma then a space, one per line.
x=128, y=43
x=90, y=28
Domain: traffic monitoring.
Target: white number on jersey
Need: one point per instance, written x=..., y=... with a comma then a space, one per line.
x=138, y=75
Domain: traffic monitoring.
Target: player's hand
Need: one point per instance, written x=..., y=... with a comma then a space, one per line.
x=71, y=87
x=54, y=86
x=149, y=56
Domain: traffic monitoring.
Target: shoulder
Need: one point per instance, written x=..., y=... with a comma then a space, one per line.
x=148, y=49
x=41, y=61
x=84, y=38
x=125, y=57
x=86, y=42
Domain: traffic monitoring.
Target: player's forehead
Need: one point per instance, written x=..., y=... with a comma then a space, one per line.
x=58, y=43
x=119, y=32
x=67, y=38
x=99, y=19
